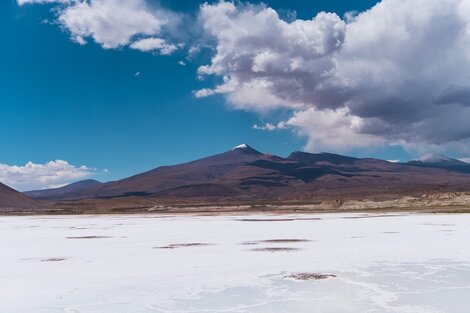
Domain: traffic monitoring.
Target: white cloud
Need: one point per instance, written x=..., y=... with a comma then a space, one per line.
x=332, y=130
x=23, y=2
x=397, y=73
x=393, y=161
x=111, y=23
x=203, y=93
x=259, y=55
x=267, y=126
x=38, y=176
x=154, y=44
x=115, y=23
x=466, y=160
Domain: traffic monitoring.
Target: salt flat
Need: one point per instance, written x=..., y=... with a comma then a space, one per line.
x=207, y=264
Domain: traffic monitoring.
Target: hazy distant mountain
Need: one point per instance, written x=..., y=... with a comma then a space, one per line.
x=436, y=160
x=56, y=192
x=12, y=199
x=245, y=173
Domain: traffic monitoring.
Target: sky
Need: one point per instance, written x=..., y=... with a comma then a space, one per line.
x=106, y=89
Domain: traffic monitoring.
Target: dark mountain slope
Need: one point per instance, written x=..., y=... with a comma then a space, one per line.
x=12, y=199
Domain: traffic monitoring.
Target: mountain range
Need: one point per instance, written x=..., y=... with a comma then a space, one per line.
x=244, y=174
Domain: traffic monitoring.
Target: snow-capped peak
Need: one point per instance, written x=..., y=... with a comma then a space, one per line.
x=242, y=146
x=434, y=158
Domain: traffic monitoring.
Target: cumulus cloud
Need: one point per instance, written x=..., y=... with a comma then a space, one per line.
x=111, y=23
x=154, y=44
x=262, y=58
x=38, y=176
x=115, y=23
x=267, y=126
x=23, y=2
x=332, y=129
x=395, y=74
x=201, y=93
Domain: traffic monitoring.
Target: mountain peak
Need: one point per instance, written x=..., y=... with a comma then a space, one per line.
x=242, y=146
x=245, y=149
x=434, y=158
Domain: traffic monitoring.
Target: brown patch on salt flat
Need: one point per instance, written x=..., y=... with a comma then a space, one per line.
x=275, y=249
x=284, y=240
x=257, y=242
x=310, y=276
x=88, y=237
x=266, y=219
x=53, y=260
x=249, y=243
x=183, y=245
x=371, y=216
x=278, y=219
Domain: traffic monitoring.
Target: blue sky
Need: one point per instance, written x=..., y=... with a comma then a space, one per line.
x=126, y=110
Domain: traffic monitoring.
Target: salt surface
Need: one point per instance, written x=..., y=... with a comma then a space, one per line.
x=379, y=263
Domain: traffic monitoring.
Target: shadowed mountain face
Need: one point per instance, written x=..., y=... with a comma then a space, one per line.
x=244, y=173
x=312, y=158
x=12, y=199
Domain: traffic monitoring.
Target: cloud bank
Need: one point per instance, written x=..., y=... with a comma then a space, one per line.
x=39, y=176
x=395, y=74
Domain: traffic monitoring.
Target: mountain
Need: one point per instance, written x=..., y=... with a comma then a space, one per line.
x=244, y=173
x=70, y=188
x=436, y=160
x=12, y=199
x=203, y=171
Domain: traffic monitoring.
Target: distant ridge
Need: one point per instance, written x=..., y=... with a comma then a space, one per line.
x=437, y=159
x=54, y=192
